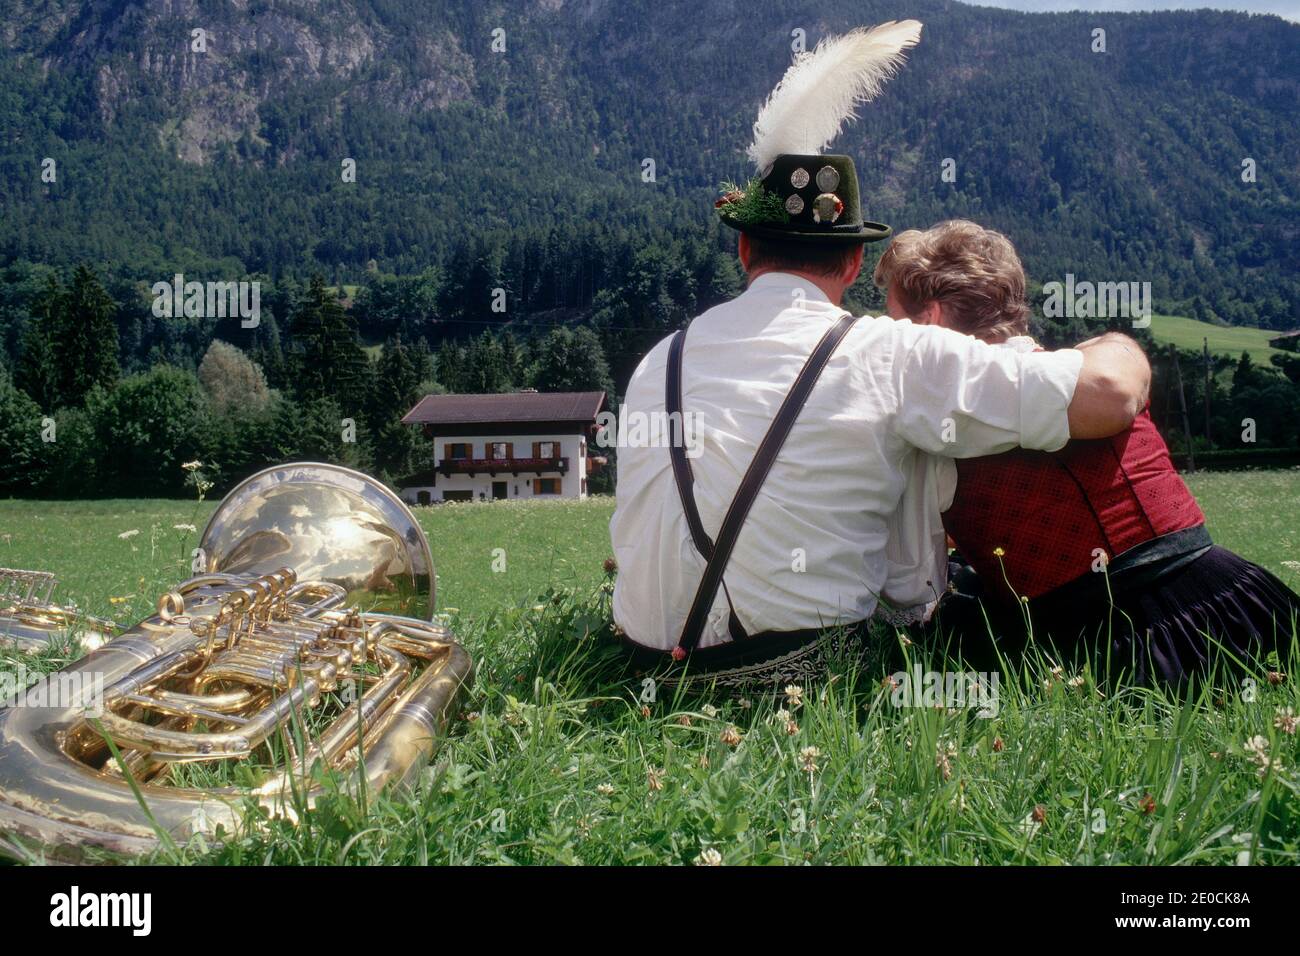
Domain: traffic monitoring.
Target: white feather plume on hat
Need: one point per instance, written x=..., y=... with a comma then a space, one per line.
x=824, y=88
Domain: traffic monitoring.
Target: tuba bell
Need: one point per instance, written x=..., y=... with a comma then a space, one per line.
x=304, y=642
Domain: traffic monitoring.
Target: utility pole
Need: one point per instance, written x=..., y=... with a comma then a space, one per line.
x=1182, y=403
x=1209, y=384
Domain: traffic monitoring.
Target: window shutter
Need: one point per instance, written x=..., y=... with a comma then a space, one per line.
x=446, y=450
x=537, y=449
x=510, y=449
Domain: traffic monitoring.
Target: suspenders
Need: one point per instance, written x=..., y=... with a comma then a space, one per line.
x=718, y=552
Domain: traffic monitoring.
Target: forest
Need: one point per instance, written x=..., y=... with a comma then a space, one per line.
x=78, y=419
x=1167, y=156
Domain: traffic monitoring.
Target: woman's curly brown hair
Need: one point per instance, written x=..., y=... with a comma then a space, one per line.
x=973, y=272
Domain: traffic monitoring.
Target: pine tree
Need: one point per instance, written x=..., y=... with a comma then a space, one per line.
x=84, y=338
x=328, y=360
x=485, y=365
x=511, y=359
x=397, y=383
x=38, y=371
x=309, y=360
x=1245, y=375
x=451, y=366
x=268, y=354
x=423, y=359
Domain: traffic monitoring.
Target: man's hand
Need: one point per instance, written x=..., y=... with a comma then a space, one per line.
x=1113, y=386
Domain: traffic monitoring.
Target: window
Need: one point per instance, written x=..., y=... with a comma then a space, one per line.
x=458, y=496
x=456, y=450
x=546, y=449
x=500, y=450
x=546, y=486
x=422, y=497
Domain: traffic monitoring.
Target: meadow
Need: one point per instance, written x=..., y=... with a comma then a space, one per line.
x=1188, y=333
x=560, y=756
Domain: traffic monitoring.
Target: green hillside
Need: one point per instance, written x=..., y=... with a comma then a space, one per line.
x=608, y=121
x=1231, y=340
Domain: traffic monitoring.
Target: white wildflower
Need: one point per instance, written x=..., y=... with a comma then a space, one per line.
x=1285, y=720
x=1257, y=748
x=808, y=759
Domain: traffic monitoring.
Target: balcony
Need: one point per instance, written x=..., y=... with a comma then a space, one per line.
x=496, y=466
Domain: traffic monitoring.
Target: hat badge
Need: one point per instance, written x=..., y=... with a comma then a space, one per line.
x=827, y=208
x=828, y=177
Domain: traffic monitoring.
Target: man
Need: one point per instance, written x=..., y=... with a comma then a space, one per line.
x=810, y=518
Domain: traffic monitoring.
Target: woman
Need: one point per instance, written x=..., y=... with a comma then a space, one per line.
x=1097, y=547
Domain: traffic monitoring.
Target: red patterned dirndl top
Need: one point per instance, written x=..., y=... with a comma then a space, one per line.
x=1047, y=513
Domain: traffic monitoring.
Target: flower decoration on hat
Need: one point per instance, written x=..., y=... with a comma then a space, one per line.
x=752, y=203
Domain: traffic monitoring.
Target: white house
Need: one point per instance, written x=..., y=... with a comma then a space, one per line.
x=513, y=445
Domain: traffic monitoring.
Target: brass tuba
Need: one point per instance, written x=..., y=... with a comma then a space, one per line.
x=304, y=643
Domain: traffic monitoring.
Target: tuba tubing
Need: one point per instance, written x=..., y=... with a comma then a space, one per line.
x=31, y=621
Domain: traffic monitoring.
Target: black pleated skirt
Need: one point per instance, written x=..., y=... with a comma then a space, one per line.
x=1218, y=611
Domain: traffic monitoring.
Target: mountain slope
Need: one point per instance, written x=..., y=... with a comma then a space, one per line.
x=1124, y=165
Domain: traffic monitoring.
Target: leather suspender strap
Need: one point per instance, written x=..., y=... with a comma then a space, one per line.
x=681, y=465
x=683, y=475
x=720, y=552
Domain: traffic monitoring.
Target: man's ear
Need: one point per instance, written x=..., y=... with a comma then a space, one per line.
x=854, y=267
x=744, y=251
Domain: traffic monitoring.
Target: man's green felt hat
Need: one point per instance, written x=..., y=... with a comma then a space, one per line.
x=802, y=198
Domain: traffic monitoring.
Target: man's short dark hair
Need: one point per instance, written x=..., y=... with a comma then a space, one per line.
x=823, y=259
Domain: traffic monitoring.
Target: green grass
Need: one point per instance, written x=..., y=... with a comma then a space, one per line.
x=562, y=758
x=545, y=543
x=541, y=543
x=1254, y=514
x=1229, y=340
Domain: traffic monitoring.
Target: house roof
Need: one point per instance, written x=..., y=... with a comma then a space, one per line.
x=505, y=408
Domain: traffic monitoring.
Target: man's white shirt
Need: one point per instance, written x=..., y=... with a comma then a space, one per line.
x=849, y=512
